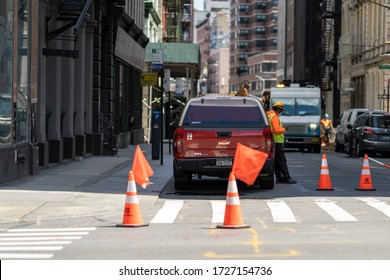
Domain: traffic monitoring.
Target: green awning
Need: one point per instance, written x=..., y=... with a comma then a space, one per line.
x=177, y=57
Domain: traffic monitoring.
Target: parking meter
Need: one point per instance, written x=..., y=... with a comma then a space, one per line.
x=156, y=134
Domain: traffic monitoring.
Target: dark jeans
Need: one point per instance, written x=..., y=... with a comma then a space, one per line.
x=281, y=169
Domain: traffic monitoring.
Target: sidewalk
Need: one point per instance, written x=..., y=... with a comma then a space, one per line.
x=95, y=185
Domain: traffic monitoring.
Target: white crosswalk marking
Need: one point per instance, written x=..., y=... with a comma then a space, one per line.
x=25, y=243
x=335, y=211
x=218, y=207
x=169, y=212
x=377, y=204
x=281, y=213
x=279, y=209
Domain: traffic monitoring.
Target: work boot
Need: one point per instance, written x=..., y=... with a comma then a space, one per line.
x=279, y=180
x=288, y=180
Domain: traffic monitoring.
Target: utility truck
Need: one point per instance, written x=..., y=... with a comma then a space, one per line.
x=301, y=115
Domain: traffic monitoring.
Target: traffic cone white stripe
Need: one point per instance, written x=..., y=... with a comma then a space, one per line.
x=233, y=200
x=365, y=171
x=131, y=199
x=325, y=171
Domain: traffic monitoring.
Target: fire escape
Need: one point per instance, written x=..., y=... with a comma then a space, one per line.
x=327, y=51
x=331, y=19
x=69, y=13
x=172, y=20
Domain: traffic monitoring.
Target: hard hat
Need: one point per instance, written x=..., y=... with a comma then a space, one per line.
x=278, y=105
x=326, y=116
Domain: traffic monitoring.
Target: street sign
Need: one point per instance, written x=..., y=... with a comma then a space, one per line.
x=157, y=59
x=384, y=67
x=149, y=79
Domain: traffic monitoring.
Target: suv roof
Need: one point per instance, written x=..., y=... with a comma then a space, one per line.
x=375, y=112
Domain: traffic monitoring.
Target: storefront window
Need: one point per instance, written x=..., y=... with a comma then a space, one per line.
x=6, y=32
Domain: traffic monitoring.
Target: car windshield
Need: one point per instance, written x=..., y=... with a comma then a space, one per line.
x=300, y=106
x=380, y=121
x=213, y=115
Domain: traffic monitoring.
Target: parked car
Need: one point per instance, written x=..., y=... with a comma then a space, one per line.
x=370, y=133
x=205, y=139
x=347, y=117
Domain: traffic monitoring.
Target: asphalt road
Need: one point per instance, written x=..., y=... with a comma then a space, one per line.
x=291, y=222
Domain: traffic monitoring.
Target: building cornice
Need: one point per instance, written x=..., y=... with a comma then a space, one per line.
x=150, y=10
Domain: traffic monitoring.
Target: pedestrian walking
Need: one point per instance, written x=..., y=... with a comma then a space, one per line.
x=281, y=170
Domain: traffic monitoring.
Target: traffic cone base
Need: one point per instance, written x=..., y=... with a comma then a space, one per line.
x=365, y=183
x=132, y=213
x=324, y=184
x=233, y=216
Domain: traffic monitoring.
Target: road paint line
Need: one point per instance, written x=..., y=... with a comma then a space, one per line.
x=335, y=211
x=281, y=213
x=32, y=248
x=40, y=238
x=42, y=234
x=218, y=207
x=50, y=229
x=24, y=243
x=168, y=213
x=25, y=256
x=377, y=204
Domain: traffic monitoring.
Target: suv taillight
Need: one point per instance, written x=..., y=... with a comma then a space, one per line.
x=178, y=143
x=368, y=131
x=269, y=141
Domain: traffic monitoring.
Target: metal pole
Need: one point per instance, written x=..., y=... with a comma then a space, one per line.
x=162, y=116
x=169, y=122
x=388, y=86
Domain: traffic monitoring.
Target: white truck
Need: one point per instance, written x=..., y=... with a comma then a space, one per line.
x=302, y=115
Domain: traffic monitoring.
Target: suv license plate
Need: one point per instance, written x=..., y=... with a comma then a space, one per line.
x=223, y=162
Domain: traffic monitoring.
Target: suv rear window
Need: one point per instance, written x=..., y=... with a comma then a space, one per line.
x=380, y=121
x=212, y=115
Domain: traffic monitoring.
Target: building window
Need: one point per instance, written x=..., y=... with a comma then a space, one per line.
x=260, y=44
x=260, y=30
x=269, y=67
x=23, y=73
x=261, y=18
x=6, y=66
x=260, y=6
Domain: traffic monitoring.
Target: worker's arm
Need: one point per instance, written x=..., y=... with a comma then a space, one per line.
x=276, y=126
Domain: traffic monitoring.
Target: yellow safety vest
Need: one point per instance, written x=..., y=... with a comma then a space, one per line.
x=279, y=138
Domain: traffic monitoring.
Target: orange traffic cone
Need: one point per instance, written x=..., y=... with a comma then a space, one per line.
x=324, y=184
x=132, y=213
x=365, y=183
x=233, y=216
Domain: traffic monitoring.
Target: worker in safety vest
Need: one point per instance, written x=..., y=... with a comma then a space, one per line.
x=326, y=130
x=281, y=170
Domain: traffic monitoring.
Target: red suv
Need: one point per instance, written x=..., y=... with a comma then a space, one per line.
x=205, y=139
